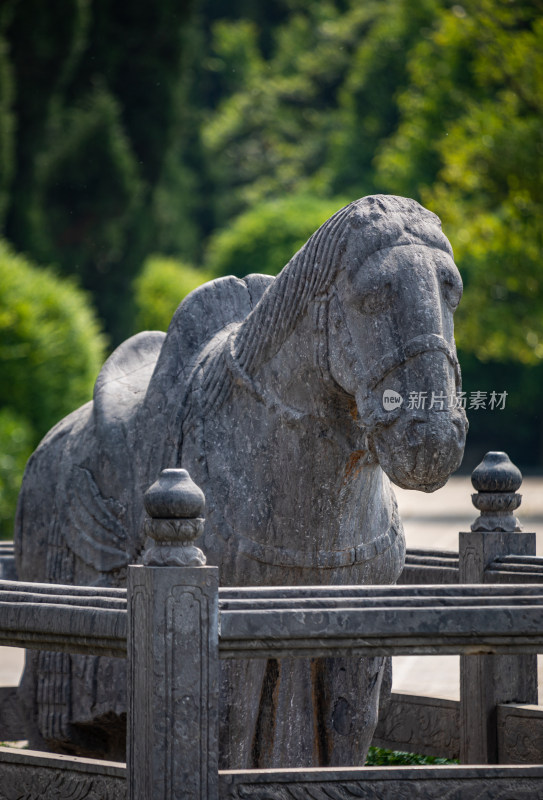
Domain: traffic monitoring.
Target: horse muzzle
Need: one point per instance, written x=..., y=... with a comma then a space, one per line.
x=421, y=449
x=418, y=448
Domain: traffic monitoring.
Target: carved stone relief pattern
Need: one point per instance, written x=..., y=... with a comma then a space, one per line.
x=521, y=739
x=410, y=724
x=18, y=782
x=444, y=789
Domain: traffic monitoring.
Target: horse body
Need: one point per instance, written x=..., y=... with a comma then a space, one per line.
x=270, y=393
x=289, y=499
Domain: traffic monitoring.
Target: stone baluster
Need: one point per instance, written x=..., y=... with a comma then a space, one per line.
x=488, y=680
x=173, y=651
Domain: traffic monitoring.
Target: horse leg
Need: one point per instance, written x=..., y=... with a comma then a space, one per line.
x=297, y=712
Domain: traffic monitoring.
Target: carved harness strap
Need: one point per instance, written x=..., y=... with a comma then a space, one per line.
x=426, y=343
x=417, y=346
x=323, y=559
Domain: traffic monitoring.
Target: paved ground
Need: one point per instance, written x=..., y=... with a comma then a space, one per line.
x=430, y=521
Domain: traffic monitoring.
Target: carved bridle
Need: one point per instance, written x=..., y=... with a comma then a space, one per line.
x=373, y=415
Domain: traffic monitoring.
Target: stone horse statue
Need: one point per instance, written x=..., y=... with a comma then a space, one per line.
x=270, y=392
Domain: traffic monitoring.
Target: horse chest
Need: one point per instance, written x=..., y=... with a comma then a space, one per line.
x=284, y=492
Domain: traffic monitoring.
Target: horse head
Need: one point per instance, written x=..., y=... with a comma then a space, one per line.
x=390, y=337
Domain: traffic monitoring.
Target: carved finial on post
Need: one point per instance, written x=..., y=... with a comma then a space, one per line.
x=175, y=505
x=496, y=479
x=487, y=681
x=173, y=651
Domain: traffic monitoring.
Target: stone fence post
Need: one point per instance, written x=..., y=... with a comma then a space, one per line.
x=173, y=651
x=487, y=680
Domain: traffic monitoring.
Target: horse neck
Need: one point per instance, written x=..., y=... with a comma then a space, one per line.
x=284, y=375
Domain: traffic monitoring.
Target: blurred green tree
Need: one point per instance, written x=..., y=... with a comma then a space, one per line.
x=479, y=127
x=51, y=347
x=270, y=134
x=377, y=74
x=91, y=87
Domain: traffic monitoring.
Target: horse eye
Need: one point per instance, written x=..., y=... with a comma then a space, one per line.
x=376, y=300
x=451, y=288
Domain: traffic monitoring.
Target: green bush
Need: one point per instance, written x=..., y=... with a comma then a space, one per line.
x=51, y=350
x=266, y=237
x=160, y=287
x=51, y=347
x=15, y=448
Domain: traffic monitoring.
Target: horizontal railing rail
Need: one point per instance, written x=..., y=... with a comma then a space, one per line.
x=379, y=620
x=73, y=619
x=304, y=622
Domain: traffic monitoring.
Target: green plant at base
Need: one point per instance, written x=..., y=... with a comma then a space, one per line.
x=378, y=756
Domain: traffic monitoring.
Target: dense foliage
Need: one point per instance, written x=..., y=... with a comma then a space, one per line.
x=89, y=113
x=51, y=350
x=16, y=442
x=473, y=112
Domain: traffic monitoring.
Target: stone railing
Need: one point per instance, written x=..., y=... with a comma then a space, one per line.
x=167, y=624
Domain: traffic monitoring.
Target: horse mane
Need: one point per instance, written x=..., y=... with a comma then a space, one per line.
x=385, y=220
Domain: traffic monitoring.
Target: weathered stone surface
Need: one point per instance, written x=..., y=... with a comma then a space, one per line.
x=492, y=620
x=173, y=649
x=429, y=566
x=12, y=726
x=415, y=724
x=520, y=734
x=496, y=479
x=63, y=618
x=385, y=783
x=175, y=505
x=431, y=726
x=270, y=392
x=32, y=776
